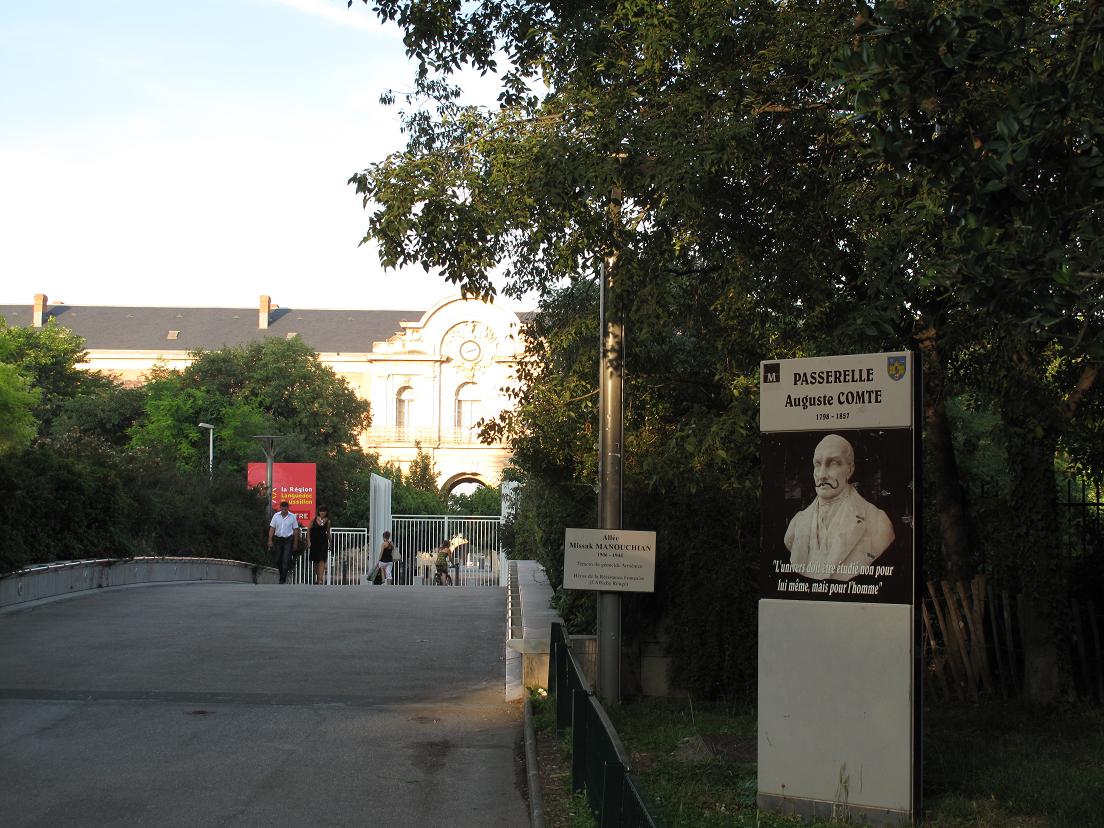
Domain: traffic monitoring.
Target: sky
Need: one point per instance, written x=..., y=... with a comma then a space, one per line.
x=198, y=154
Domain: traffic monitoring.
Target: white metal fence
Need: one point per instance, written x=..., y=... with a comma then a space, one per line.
x=475, y=558
x=348, y=561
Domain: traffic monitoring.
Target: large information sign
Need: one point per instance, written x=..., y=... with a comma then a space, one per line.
x=837, y=473
x=838, y=687
x=609, y=560
x=293, y=482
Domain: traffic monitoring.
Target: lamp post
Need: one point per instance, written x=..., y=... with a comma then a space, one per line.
x=610, y=440
x=210, y=448
x=268, y=445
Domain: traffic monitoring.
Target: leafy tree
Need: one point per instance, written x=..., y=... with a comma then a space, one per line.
x=687, y=154
x=95, y=480
x=273, y=386
x=416, y=492
x=105, y=412
x=761, y=192
x=408, y=501
x=17, y=404
x=47, y=358
x=95, y=500
x=687, y=475
x=422, y=473
x=172, y=412
x=986, y=119
x=485, y=500
x=286, y=381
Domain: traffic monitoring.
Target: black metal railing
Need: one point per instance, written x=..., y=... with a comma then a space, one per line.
x=600, y=766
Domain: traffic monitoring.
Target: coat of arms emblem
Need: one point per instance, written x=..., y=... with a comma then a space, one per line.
x=895, y=365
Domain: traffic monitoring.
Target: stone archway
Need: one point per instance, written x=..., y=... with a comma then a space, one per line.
x=463, y=477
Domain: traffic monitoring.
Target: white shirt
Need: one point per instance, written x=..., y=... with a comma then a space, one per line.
x=285, y=526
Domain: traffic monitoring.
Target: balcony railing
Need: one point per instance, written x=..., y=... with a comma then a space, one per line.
x=390, y=435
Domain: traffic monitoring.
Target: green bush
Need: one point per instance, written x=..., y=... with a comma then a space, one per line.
x=88, y=500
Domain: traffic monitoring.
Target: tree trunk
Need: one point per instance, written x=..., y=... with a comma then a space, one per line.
x=1042, y=572
x=1032, y=424
x=1045, y=678
x=950, y=501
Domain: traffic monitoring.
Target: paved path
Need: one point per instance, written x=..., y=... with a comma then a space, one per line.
x=234, y=704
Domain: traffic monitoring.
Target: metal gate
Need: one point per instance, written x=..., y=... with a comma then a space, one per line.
x=475, y=556
x=349, y=560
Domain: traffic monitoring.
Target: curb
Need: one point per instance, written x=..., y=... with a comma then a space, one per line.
x=532, y=773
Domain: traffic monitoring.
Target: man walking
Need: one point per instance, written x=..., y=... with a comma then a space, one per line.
x=283, y=530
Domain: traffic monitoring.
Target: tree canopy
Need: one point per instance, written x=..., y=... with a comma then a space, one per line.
x=17, y=402
x=772, y=180
x=75, y=477
x=107, y=469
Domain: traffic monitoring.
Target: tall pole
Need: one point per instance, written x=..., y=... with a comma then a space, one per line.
x=210, y=449
x=268, y=484
x=268, y=445
x=610, y=432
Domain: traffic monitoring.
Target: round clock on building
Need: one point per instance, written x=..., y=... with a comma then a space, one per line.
x=470, y=350
x=473, y=342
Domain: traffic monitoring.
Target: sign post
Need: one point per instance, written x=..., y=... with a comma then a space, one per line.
x=610, y=438
x=839, y=686
x=608, y=560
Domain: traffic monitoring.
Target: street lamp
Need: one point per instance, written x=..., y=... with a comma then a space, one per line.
x=268, y=445
x=210, y=448
x=611, y=417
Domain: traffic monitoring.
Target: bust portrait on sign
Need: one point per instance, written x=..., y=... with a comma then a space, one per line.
x=840, y=529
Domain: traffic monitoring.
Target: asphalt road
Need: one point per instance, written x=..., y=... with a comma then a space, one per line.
x=233, y=704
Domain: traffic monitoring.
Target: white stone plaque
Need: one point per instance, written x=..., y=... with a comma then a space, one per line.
x=609, y=560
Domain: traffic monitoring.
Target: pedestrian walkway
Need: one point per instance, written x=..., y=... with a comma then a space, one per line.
x=236, y=704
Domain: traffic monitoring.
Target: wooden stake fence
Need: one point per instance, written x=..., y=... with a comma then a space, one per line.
x=973, y=643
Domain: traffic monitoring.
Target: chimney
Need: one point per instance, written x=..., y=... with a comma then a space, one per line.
x=266, y=309
x=39, y=309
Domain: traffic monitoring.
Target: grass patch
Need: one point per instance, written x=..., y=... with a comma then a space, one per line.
x=708, y=792
x=999, y=765
x=1005, y=764
x=562, y=809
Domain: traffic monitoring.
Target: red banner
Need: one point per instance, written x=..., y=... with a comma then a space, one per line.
x=293, y=482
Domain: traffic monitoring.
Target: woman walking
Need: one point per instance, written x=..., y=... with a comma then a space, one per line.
x=386, y=557
x=318, y=543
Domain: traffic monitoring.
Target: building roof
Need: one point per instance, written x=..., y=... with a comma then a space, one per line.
x=148, y=329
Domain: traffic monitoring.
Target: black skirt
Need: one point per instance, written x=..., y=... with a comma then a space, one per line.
x=319, y=543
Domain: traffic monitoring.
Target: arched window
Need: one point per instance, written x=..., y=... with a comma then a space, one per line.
x=468, y=411
x=404, y=408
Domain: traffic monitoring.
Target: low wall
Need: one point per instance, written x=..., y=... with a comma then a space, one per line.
x=527, y=642
x=51, y=580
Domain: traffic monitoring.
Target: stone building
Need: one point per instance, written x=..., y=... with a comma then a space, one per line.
x=430, y=375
